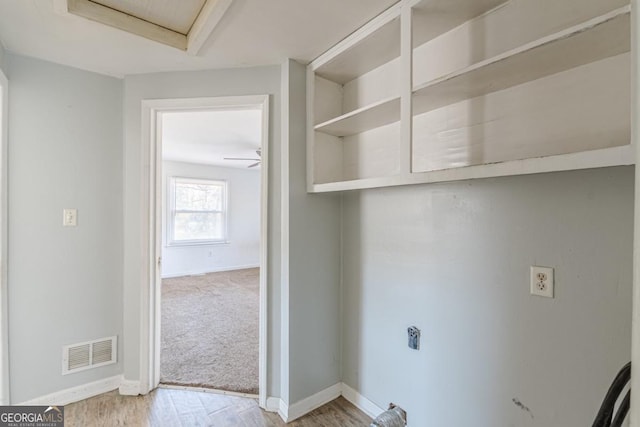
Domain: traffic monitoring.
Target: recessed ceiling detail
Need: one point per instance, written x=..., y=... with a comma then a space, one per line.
x=177, y=16
x=184, y=24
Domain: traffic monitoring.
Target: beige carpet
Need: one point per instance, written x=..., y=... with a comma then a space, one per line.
x=210, y=331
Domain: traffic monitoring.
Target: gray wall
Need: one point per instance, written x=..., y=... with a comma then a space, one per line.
x=453, y=259
x=65, y=284
x=241, y=81
x=313, y=262
x=2, y=55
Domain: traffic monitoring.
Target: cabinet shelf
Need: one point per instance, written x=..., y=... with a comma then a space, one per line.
x=599, y=38
x=372, y=116
x=614, y=156
x=375, y=44
x=435, y=17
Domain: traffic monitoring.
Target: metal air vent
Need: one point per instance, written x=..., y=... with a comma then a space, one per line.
x=89, y=354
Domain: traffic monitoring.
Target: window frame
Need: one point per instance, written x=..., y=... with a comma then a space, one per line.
x=171, y=211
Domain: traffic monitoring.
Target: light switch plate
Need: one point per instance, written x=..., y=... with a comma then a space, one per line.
x=69, y=217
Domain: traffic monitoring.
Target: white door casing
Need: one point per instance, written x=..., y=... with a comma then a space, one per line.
x=4, y=334
x=152, y=227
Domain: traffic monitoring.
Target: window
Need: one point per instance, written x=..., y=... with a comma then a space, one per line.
x=198, y=212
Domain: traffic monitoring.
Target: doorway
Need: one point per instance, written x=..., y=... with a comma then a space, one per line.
x=202, y=272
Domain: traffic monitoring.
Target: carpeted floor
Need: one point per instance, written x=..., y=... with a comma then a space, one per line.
x=210, y=331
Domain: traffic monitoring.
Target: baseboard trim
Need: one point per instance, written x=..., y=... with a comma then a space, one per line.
x=75, y=394
x=283, y=411
x=307, y=405
x=303, y=407
x=129, y=388
x=361, y=402
x=215, y=270
x=273, y=404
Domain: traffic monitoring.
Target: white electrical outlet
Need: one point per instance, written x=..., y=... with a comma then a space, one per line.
x=542, y=281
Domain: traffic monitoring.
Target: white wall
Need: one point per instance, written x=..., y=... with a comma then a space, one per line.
x=241, y=81
x=65, y=284
x=311, y=268
x=243, y=223
x=453, y=259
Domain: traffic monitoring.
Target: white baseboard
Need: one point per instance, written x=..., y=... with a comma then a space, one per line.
x=303, y=407
x=361, y=402
x=273, y=404
x=307, y=405
x=215, y=270
x=75, y=394
x=129, y=387
x=283, y=411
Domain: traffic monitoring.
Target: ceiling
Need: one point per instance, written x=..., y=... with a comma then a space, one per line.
x=206, y=137
x=251, y=33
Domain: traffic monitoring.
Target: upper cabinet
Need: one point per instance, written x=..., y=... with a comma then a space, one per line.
x=439, y=90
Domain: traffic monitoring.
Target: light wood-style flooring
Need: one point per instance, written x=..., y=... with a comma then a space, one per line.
x=182, y=408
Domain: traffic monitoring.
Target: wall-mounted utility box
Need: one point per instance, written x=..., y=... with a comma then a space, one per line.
x=413, y=334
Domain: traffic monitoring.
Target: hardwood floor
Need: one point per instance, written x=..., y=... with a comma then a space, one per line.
x=181, y=408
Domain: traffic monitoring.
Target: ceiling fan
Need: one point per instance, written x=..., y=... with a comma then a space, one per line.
x=257, y=161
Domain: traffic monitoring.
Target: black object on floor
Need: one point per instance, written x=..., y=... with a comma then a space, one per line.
x=605, y=417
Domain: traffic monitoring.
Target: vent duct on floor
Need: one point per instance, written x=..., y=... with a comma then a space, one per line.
x=89, y=354
x=394, y=417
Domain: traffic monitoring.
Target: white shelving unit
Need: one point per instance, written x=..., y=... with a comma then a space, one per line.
x=441, y=90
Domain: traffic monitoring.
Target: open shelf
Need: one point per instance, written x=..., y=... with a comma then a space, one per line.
x=445, y=90
x=605, y=36
x=372, y=116
x=614, y=156
x=432, y=18
x=378, y=44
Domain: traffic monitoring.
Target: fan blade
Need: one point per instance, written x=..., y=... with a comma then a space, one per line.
x=241, y=158
x=254, y=165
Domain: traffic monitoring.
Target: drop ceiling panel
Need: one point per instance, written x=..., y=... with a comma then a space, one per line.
x=177, y=16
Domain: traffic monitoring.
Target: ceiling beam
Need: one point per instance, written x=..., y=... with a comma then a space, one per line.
x=209, y=17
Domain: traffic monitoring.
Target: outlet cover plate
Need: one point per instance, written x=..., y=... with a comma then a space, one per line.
x=541, y=281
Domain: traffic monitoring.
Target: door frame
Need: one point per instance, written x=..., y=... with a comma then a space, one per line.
x=5, y=396
x=152, y=240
